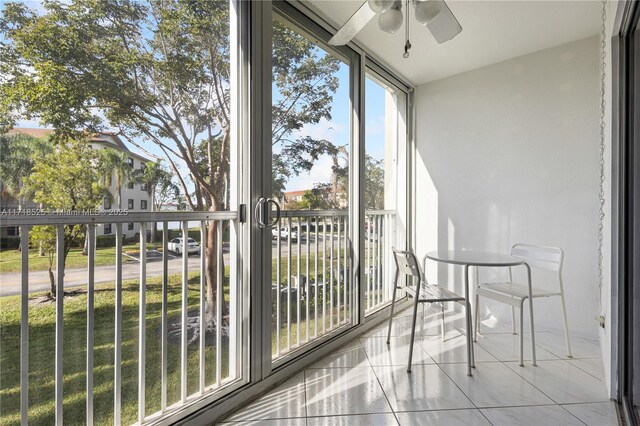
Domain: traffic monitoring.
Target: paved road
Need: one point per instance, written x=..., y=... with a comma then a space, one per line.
x=39, y=280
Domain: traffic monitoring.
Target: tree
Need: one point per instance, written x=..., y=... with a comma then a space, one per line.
x=373, y=183
x=158, y=181
x=115, y=164
x=66, y=179
x=321, y=197
x=18, y=153
x=158, y=71
x=160, y=187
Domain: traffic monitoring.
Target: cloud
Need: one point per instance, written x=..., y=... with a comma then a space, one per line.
x=332, y=131
x=374, y=125
x=320, y=173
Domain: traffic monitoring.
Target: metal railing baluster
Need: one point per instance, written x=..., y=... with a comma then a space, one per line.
x=184, y=311
x=202, y=313
x=331, y=274
x=338, y=267
x=378, y=262
x=367, y=275
x=59, y=350
x=324, y=275
x=24, y=326
x=289, y=228
x=315, y=284
x=219, y=302
x=278, y=292
x=345, y=267
x=307, y=283
x=91, y=261
x=164, y=342
x=299, y=237
x=142, y=330
x=117, y=380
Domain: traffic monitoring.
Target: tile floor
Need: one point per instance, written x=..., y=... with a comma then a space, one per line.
x=366, y=383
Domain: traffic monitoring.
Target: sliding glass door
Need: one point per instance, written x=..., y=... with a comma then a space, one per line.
x=312, y=142
x=384, y=175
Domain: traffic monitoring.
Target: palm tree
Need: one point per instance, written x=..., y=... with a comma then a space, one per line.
x=18, y=153
x=115, y=164
x=155, y=176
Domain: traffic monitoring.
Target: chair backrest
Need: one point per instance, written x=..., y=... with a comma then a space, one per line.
x=549, y=258
x=407, y=263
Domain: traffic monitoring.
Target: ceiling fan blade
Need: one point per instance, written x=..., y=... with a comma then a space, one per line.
x=353, y=26
x=444, y=26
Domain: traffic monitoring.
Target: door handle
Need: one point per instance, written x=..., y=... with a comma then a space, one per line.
x=259, y=212
x=274, y=220
x=262, y=211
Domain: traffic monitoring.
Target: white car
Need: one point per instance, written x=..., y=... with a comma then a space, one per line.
x=177, y=246
x=284, y=234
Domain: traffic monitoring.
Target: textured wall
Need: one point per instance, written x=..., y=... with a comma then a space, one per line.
x=509, y=153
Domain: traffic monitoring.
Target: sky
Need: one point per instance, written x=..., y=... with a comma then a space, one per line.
x=338, y=129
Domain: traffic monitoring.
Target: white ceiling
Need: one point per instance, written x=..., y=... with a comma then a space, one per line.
x=493, y=31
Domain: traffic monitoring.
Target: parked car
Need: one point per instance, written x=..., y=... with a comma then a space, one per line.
x=177, y=246
x=284, y=233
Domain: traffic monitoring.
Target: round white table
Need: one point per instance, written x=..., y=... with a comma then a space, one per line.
x=469, y=258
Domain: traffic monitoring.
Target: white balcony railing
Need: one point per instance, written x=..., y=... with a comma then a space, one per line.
x=156, y=350
x=380, y=236
x=312, y=285
x=178, y=325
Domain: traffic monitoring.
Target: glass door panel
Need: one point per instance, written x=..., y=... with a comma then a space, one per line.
x=385, y=129
x=312, y=286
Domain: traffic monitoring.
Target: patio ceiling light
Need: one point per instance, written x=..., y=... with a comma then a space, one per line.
x=434, y=14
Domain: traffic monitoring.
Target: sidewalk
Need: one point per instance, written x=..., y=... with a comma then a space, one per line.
x=39, y=280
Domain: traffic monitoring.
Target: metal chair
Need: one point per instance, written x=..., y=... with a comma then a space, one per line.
x=422, y=292
x=514, y=294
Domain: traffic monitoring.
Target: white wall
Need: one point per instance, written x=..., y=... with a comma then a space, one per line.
x=509, y=153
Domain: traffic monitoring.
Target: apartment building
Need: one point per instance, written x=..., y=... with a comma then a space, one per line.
x=135, y=197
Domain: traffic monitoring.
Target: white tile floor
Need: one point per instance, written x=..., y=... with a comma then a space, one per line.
x=366, y=383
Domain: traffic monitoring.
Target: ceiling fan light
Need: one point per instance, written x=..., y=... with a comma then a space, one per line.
x=390, y=20
x=380, y=5
x=426, y=10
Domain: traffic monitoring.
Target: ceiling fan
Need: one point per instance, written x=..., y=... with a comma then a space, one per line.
x=435, y=14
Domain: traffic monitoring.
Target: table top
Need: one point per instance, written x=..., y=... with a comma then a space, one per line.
x=475, y=258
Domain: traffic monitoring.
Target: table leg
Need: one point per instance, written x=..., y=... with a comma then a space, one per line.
x=470, y=360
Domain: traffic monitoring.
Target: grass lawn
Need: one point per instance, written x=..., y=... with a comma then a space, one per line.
x=10, y=260
x=42, y=344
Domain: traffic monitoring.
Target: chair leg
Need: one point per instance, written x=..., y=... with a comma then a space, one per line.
x=533, y=334
x=413, y=332
x=442, y=320
x=522, y=332
x=513, y=320
x=422, y=323
x=566, y=326
x=393, y=305
x=476, y=323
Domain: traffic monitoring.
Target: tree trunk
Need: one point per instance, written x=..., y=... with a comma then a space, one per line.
x=211, y=273
x=154, y=226
x=40, y=248
x=52, y=283
x=85, y=247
